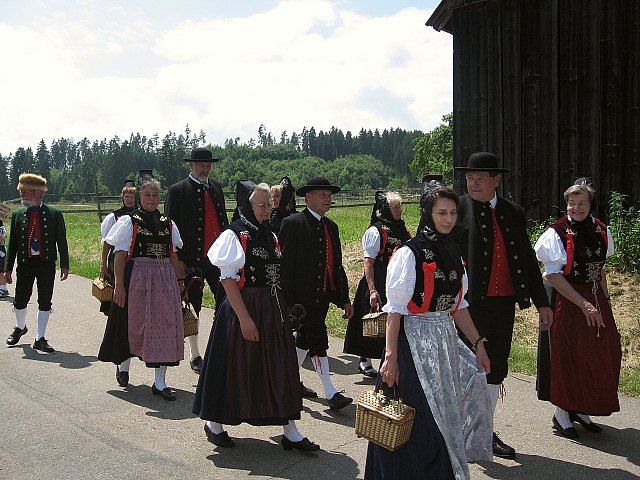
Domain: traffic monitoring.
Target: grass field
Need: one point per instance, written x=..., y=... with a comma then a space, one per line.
x=84, y=244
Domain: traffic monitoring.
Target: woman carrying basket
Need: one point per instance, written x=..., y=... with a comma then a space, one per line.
x=433, y=371
x=386, y=232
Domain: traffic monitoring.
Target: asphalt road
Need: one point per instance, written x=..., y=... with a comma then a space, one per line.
x=63, y=416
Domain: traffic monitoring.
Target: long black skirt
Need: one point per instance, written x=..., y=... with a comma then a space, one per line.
x=115, y=343
x=426, y=455
x=253, y=382
x=354, y=342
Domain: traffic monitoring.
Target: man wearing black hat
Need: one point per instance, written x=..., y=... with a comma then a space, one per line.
x=501, y=266
x=196, y=205
x=313, y=276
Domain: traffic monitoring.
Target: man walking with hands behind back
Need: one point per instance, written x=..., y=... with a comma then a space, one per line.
x=502, y=268
x=36, y=230
x=196, y=205
x=313, y=276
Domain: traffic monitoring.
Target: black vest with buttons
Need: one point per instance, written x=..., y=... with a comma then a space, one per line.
x=149, y=244
x=446, y=283
x=262, y=264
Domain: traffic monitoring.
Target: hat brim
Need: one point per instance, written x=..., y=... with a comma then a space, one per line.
x=302, y=191
x=491, y=170
x=202, y=160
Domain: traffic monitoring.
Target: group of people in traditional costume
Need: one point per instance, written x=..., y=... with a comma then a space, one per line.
x=449, y=291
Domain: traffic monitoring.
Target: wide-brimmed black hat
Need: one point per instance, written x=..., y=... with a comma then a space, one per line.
x=201, y=155
x=482, y=162
x=317, y=183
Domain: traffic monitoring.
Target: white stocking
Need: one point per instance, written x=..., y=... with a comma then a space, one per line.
x=43, y=320
x=215, y=427
x=563, y=418
x=21, y=318
x=124, y=366
x=321, y=365
x=160, y=377
x=291, y=432
x=193, y=345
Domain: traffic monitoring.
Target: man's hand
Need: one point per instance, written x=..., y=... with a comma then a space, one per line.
x=546, y=318
x=348, y=311
x=7, y=277
x=64, y=273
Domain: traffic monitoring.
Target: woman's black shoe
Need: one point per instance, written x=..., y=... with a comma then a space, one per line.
x=592, y=427
x=122, y=377
x=565, y=432
x=166, y=393
x=219, y=439
x=304, y=445
x=501, y=449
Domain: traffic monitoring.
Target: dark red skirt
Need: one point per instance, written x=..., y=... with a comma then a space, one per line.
x=585, y=361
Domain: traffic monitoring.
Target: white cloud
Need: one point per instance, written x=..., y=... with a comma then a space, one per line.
x=302, y=63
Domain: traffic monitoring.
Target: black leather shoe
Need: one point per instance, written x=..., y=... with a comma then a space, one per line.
x=304, y=445
x=339, y=401
x=15, y=335
x=167, y=394
x=368, y=372
x=570, y=432
x=307, y=392
x=501, y=449
x=592, y=427
x=196, y=364
x=219, y=439
x=122, y=377
x=42, y=345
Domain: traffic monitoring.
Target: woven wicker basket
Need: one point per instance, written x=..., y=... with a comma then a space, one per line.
x=374, y=325
x=102, y=290
x=190, y=320
x=385, y=422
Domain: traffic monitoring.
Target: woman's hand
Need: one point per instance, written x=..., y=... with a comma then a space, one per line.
x=389, y=371
x=119, y=295
x=594, y=319
x=249, y=330
x=482, y=359
x=374, y=299
x=103, y=270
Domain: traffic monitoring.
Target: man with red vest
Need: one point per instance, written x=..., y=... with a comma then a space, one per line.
x=501, y=266
x=196, y=205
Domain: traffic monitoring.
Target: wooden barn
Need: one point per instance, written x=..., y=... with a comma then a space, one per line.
x=553, y=88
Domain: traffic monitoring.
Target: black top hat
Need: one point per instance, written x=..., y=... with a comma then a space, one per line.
x=482, y=162
x=201, y=155
x=317, y=183
x=129, y=182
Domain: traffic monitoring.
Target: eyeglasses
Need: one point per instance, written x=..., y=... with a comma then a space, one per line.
x=263, y=205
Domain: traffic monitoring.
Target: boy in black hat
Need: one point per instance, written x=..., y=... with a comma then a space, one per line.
x=313, y=276
x=501, y=265
x=196, y=205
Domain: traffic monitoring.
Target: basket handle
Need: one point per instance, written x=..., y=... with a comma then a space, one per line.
x=386, y=399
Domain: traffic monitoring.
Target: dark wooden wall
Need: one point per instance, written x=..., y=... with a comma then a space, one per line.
x=553, y=88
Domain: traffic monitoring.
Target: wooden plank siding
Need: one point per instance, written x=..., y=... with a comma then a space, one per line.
x=553, y=88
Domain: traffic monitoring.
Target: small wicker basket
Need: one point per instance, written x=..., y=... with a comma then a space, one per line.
x=383, y=421
x=190, y=320
x=102, y=290
x=374, y=325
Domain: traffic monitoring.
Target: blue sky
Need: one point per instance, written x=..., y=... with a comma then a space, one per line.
x=95, y=69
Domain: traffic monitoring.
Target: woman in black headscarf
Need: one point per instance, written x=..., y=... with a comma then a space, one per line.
x=250, y=370
x=386, y=232
x=580, y=371
x=434, y=372
x=286, y=205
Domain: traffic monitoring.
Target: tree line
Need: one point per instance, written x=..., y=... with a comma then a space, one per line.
x=368, y=160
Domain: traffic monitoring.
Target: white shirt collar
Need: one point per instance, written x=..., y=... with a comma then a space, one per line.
x=205, y=184
x=494, y=200
x=315, y=215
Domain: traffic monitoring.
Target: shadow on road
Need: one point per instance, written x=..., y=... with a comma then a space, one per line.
x=71, y=360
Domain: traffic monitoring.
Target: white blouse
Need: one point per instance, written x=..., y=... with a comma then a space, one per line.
x=401, y=282
x=227, y=254
x=108, y=222
x=550, y=251
x=371, y=242
x=121, y=234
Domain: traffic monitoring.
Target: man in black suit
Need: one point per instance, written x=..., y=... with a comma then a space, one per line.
x=502, y=268
x=196, y=205
x=313, y=276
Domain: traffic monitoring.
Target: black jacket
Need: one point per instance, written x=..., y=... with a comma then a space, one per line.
x=303, y=260
x=478, y=253
x=185, y=206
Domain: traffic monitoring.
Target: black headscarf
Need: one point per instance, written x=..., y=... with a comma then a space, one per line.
x=288, y=193
x=450, y=256
x=382, y=213
x=244, y=212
